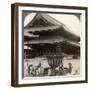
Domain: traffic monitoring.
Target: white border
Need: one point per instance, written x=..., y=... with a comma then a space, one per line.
x=56, y=79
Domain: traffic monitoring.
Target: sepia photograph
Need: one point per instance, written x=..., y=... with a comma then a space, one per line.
x=51, y=44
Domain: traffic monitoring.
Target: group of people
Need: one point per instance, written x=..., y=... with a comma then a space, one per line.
x=35, y=71
x=50, y=71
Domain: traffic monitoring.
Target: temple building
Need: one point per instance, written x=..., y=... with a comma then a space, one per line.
x=47, y=37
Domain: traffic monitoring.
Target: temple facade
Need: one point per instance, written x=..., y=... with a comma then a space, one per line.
x=45, y=35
